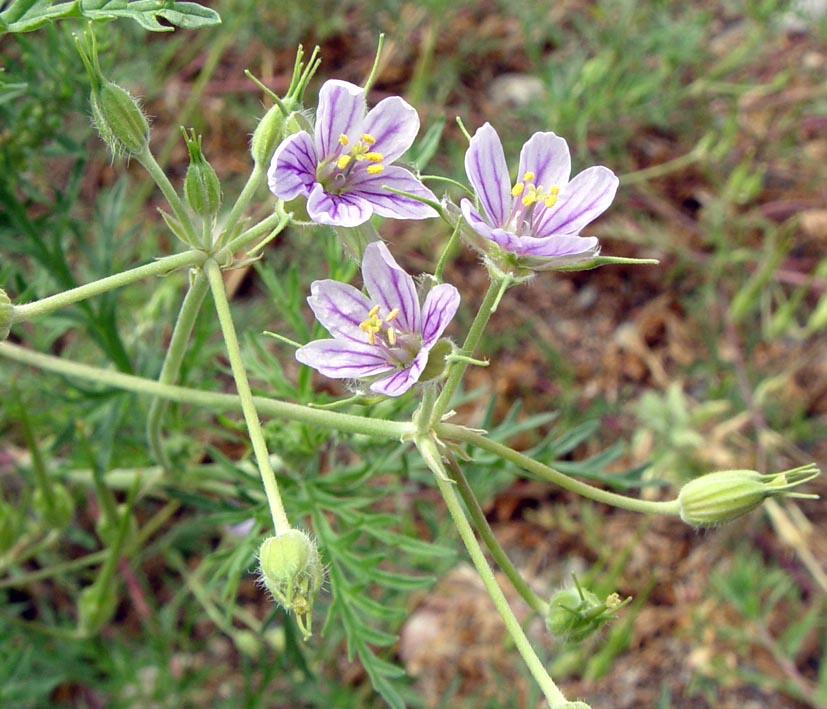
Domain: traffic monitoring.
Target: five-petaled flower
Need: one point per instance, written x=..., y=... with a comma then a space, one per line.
x=344, y=169
x=385, y=336
x=536, y=222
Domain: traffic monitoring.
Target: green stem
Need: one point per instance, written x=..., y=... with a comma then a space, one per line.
x=147, y=159
x=28, y=311
x=274, y=222
x=247, y=193
x=459, y=433
x=431, y=455
x=484, y=530
x=268, y=475
x=458, y=367
x=181, y=334
x=378, y=428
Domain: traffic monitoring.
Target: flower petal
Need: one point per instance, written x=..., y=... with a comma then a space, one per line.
x=547, y=156
x=388, y=285
x=438, y=310
x=337, y=209
x=488, y=172
x=341, y=110
x=394, y=123
x=399, y=382
x=477, y=223
x=371, y=188
x=340, y=307
x=557, y=246
x=339, y=359
x=292, y=170
x=580, y=202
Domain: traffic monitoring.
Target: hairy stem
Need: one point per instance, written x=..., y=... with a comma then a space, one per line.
x=431, y=455
x=248, y=406
x=181, y=334
x=487, y=535
x=29, y=311
x=452, y=432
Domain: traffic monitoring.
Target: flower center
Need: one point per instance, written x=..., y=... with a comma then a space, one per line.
x=334, y=172
x=374, y=325
x=360, y=151
x=530, y=195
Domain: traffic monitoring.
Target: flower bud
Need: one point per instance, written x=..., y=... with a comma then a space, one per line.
x=202, y=188
x=576, y=613
x=96, y=606
x=117, y=116
x=721, y=497
x=119, y=120
x=292, y=571
x=55, y=507
x=6, y=308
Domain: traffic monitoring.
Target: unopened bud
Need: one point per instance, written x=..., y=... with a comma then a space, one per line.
x=55, y=506
x=576, y=613
x=117, y=115
x=721, y=497
x=202, y=188
x=6, y=308
x=96, y=606
x=119, y=120
x=292, y=571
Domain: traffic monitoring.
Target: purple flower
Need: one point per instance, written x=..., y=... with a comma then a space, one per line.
x=386, y=332
x=538, y=219
x=344, y=168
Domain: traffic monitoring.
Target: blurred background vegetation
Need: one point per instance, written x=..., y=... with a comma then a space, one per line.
x=714, y=113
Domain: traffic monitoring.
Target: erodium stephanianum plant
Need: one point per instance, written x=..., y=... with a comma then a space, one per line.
x=386, y=332
x=345, y=167
x=534, y=225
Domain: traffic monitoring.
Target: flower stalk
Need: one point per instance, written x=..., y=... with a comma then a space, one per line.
x=248, y=406
x=428, y=448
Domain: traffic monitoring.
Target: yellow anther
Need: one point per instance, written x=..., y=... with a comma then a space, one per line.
x=392, y=315
x=368, y=138
x=550, y=200
x=529, y=199
x=391, y=336
x=343, y=139
x=554, y=190
x=374, y=169
x=517, y=190
x=528, y=177
x=373, y=312
x=374, y=157
x=343, y=161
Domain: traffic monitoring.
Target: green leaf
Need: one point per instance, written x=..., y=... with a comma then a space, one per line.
x=28, y=15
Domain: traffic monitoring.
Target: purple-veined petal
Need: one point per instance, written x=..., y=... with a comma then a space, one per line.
x=343, y=359
x=547, y=156
x=488, y=172
x=389, y=204
x=394, y=123
x=292, y=170
x=400, y=381
x=337, y=209
x=340, y=308
x=438, y=310
x=557, y=246
x=579, y=203
x=476, y=221
x=388, y=285
x=341, y=110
